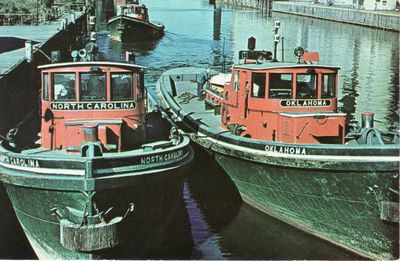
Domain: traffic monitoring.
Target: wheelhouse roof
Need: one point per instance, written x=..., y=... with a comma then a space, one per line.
x=97, y=63
x=271, y=65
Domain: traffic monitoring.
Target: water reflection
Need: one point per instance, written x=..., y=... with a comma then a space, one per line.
x=350, y=87
x=217, y=20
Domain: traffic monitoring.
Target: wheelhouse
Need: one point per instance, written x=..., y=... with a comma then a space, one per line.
x=293, y=103
x=133, y=9
x=110, y=97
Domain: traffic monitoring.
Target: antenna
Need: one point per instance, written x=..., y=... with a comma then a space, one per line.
x=223, y=55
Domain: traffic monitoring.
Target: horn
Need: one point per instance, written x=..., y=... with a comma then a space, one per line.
x=82, y=53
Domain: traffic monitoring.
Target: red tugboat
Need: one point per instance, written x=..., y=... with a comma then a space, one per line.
x=131, y=23
x=74, y=192
x=281, y=139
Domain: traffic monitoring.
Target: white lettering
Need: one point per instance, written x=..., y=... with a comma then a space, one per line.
x=285, y=149
x=20, y=161
x=161, y=158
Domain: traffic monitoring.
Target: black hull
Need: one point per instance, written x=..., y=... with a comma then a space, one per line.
x=122, y=205
x=144, y=233
x=127, y=29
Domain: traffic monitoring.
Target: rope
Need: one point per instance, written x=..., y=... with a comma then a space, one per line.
x=186, y=97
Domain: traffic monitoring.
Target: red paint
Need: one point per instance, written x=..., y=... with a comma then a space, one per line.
x=132, y=8
x=120, y=120
x=295, y=103
x=311, y=57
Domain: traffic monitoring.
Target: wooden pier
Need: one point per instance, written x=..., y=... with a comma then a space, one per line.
x=19, y=78
x=378, y=19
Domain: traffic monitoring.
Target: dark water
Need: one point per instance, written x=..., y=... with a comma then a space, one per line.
x=220, y=225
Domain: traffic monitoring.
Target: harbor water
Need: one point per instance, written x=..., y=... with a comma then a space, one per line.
x=199, y=34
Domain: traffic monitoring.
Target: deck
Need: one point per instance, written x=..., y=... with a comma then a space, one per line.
x=186, y=81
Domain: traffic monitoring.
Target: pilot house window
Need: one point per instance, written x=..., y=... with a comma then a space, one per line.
x=64, y=86
x=140, y=86
x=121, y=86
x=236, y=81
x=93, y=86
x=45, y=86
x=306, y=86
x=328, y=86
x=280, y=85
x=258, y=85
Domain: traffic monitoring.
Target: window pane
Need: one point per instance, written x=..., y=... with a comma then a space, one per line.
x=280, y=85
x=236, y=81
x=328, y=86
x=140, y=86
x=121, y=86
x=306, y=86
x=93, y=86
x=45, y=86
x=64, y=86
x=258, y=88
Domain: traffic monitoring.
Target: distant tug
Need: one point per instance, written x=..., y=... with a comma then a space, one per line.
x=276, y=131
x=131, y=23
x=74, y=192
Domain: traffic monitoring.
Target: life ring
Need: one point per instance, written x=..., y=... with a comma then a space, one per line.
x=224, y=114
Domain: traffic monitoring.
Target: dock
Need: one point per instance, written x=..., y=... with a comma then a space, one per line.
x=40, y=35
x=19, y=76
x=388, y=20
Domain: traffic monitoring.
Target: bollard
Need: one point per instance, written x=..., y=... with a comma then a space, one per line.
x=367, y=120
x=29, y=51
x=90, y=133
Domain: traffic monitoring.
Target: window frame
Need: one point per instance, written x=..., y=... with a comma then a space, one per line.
x=45, y=86
x=253, y=74
x=53, y=81
x=131, y=86
x=80, y=89
x=333, y=75
x=315, y=94
x=270, y=90
x=236, y=81
x=139, y=91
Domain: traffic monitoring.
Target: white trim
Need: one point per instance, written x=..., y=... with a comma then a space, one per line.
x=310, y=114
x=99, y=63
x=78, y=172
x=345, y=158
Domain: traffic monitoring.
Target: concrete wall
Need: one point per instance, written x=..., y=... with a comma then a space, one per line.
x=244, y=3
x=379, y=5
x=367, y=18
x=20, y=86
